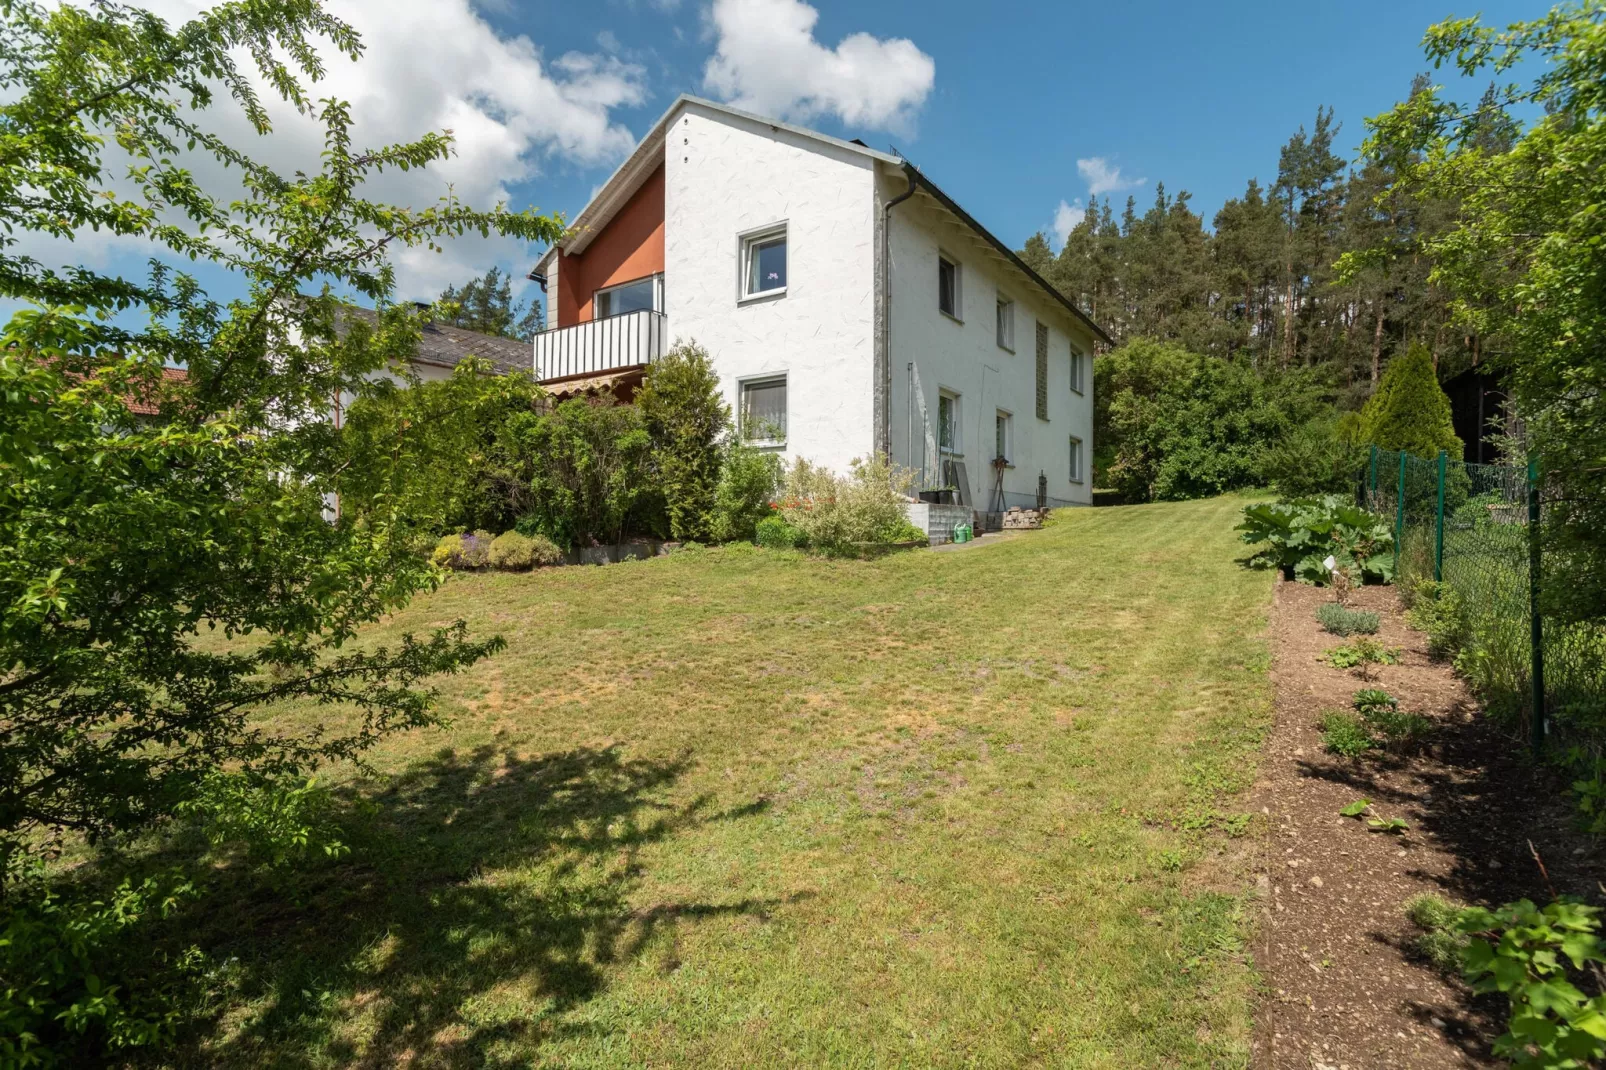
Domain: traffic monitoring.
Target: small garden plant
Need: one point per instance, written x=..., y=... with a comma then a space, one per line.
x=1441, y=942
x=1300, y=537
x=1346, y=735
x=1382, y=713
x=1359, y=810
x=1361, y=654
x=1345, y=622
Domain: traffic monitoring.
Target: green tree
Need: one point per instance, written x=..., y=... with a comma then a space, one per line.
x=1410, y=411
x=590, y=476
x=486, y=304
x=688, y=422
x=124, y=536
x=1524, y=257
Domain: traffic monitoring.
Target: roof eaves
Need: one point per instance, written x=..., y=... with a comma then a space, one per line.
x=1004, y=250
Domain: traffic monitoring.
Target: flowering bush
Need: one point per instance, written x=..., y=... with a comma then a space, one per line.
x=464, y=551
x=836, y=512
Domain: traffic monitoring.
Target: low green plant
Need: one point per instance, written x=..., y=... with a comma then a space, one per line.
x=1537, y=957
x=519, y=553
x=1319, y=457
x=748, y=481
x=464, y=551
x=1356, y=809
x=1362, y=654
x=1441, y=942
x=1382, y=713
x=1345, y=735
x=1343, y=621
x=1438, y=611
x=1387, y=824
x=1300, y=536
x=775, y=533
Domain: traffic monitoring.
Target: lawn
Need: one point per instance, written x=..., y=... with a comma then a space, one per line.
x=748, y=808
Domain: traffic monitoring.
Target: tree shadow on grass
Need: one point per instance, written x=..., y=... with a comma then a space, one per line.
x=486, y=896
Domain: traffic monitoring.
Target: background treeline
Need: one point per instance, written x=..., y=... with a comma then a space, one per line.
x=1284, y=308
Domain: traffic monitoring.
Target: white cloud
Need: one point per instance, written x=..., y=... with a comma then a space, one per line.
x=766, y=59
x=431, y=65
x=1066, y=217
x=1103, y=178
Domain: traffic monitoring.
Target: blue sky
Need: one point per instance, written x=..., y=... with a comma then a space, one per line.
x=1013, y=108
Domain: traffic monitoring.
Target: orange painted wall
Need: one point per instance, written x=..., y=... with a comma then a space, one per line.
x=630, y=246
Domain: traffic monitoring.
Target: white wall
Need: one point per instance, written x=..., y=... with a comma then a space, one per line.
x=964, y=357
x=725, y=176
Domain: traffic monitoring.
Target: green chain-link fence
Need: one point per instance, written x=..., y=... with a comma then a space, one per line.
x=1473, y=528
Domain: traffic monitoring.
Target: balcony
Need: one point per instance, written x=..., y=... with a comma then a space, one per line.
x=600, y=347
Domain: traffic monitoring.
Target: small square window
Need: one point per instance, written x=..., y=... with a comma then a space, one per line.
x=1003, y=437
x=764, y=263
x=1006, y=324
x=763, y=411
x=1078, y=363
x=948, y=286
x=948, y=438
x=1076, y=459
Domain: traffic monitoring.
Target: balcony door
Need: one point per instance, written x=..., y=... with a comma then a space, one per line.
x=638, y=295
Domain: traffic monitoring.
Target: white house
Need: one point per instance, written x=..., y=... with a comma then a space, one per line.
x=849, y=305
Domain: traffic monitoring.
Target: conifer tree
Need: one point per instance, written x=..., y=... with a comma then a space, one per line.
x=1410, y=411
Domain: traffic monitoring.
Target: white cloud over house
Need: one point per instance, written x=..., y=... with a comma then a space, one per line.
x=767, y=59
x=1102, y=178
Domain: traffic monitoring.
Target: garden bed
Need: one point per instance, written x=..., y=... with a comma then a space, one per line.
x=1344, y=986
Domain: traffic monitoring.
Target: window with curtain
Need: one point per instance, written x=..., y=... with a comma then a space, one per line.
x=764, y=270
x=763, y=411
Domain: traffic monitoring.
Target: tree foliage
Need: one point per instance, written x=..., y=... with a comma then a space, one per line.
x=688, y=423
x=1410, y=411
x=590, y=474
x=138, y=515
x=486, y=304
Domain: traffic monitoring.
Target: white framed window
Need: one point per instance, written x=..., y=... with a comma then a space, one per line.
x=1076, y=459
x=1006, y=323
x=1004, y=437
x=949, y=282
x=763, y=410
x=764, y=262
x=1078, y=369
x=948, y=424
x=637, y=295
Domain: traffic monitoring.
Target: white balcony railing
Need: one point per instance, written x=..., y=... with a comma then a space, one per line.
x=598, y=346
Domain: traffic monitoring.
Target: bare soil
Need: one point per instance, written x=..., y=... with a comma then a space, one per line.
x=1344, y=988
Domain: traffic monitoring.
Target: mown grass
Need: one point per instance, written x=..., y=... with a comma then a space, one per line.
x=747, y=808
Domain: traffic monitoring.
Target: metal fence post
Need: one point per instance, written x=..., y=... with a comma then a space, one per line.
x=1371, y=479
x=1399, y=517
x=1536, y=630
x=1438, y=531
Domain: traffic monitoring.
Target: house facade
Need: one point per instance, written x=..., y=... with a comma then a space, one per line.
x=848, y=304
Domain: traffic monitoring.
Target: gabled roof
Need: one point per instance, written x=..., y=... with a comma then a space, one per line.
x=647, y=155
x=444, y=346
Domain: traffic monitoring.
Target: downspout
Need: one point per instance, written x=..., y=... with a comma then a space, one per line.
x=886, y=317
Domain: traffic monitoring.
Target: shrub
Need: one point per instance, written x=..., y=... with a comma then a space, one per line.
x=748, y=481
x=1382, y=713
x=1438, y=612
x=686, y=419
x=1183, y=425
x=837, y=513
x=1345, y=735
x=1362, y=654
x=590, y=476
x=80, y=976
x=1324, y=456
x=1410, y=411
x=463, y=551
x=775, y=533
x=520, y=553
x=1440, y=942
x=1301, y=535
x=1343, y=621
x=1537, y=958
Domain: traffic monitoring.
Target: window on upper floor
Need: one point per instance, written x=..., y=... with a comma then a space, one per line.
x=1078, y=370
x=948, y=427
x=1042, y=371
x=763, y=411
x=948, y=283
x=638, y=295
x=764, y=263
x=1006, y=324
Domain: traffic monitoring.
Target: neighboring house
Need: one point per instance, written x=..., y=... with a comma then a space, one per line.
x=849, y=305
